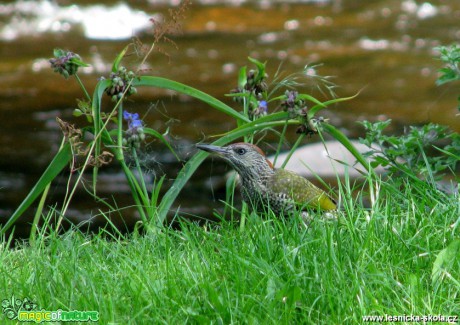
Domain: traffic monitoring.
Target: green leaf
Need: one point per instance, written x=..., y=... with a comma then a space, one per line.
x=159, y=82
x=237, y=95
x=77, y=112
x=58, y=52
x=99, y=91
x=156, y=191
x=79, y=62
x=260, y=69
x=312, y=111
x=260, y=66
x=116, y=62
x=312, y=99
x=242, y=78
x=290, y=295
x=160, y=137
x=339, y=136
x=60, y=161
x=447, y=263
x=273, y=99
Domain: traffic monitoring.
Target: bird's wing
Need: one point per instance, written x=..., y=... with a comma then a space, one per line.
x=301, y=190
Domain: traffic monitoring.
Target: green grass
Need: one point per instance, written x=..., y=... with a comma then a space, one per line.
x=371, y=262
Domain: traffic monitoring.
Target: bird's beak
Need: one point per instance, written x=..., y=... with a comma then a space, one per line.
x=221, y=151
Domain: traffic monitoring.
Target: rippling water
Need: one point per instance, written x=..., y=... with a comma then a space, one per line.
x=382, y=49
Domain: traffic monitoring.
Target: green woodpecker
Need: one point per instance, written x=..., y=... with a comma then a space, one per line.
x=264, y=186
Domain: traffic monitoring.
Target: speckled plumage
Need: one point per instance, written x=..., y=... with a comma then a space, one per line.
x=264, y=186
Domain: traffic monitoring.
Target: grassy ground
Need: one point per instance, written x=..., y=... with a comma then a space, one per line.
x=371, y=262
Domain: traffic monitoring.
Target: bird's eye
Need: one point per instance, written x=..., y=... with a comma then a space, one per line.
x=240, y=151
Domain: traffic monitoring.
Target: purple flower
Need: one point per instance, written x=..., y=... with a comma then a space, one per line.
x=291, y=98
x=132, y=119
x=263, y=106
x=260, y=110
x=135, y=133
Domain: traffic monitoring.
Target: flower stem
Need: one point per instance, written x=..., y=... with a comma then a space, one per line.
x=82, y=87
x=294, y=147
x=120, y=154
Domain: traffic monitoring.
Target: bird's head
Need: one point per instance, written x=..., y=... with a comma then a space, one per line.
x=247, y=159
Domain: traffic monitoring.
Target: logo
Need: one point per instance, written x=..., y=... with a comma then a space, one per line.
x=25, y=310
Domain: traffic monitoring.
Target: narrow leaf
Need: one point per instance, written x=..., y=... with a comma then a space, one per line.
x=116, y=62
x=160, y=137
x=339, y=136
x=260, y=67
x=159, y=82
x=312, y=111
x=312, y=99
x=97, y=121
x=445, y=261
x=60, y=161
x=242, y=77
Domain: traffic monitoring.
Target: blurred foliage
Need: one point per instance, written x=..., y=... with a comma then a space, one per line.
x=429, y=150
